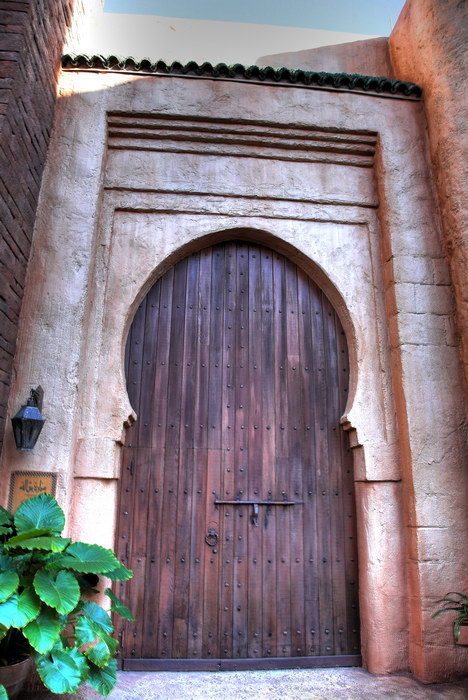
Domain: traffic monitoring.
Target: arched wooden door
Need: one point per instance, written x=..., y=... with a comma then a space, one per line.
x=237, y=503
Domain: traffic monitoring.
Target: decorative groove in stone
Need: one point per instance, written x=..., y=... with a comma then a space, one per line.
x=239, y=138
x=268, y=75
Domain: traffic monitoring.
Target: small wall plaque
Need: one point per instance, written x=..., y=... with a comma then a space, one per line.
x=24, y=485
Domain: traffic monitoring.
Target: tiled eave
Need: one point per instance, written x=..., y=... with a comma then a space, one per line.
x=344, y=82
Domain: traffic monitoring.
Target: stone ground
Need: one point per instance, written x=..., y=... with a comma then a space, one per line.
x=313, y=684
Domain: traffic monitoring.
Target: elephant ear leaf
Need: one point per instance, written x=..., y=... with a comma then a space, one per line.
x=9, y=582
x=120, y=574
x=43, y=632
x=38, y=512
x=118, y=607
x=98, y=615
x=61, y=592
x=3, y=693
x=19, y=610
x=5, y=517
x=87, y=559
x=100, y=645
x=103, y=679
x=59, y=671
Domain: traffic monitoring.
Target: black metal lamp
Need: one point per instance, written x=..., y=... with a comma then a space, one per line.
x=28, y=422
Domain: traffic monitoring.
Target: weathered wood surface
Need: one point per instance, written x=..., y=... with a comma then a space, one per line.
x=237, y=367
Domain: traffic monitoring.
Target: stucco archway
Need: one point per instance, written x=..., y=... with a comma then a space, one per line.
x=368, y=414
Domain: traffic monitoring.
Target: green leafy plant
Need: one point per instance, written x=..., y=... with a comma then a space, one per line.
x=459, y=603
x=43, y=579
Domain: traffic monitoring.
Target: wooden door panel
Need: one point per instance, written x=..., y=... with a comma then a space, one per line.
x=237, y=367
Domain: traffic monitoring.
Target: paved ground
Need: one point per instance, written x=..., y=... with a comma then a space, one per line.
x=313, y=684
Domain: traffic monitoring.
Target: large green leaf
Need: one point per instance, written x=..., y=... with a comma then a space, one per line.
x=61, y=592
x=50, y=544
x=36, y=532
x=87, y=632
x=120, y=574
x=5, y=517
x=98, y=615
x=4, y=696
x=103, y=679
x=87, y=558
x=8, y=584
x=43, y=632
x=117, y=606
x=102, y=652
x=19, y=610
x=5, y=530
x=41, y=511
x=59, y=671
x=6, y=563
x=80, y=660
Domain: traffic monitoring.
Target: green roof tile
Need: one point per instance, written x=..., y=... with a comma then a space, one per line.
x=268, y=75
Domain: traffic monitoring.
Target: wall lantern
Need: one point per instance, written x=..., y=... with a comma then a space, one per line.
x=28, y=422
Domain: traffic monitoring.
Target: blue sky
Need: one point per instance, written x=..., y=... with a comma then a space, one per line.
x=359, y=16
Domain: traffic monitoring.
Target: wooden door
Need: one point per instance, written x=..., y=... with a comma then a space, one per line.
x=237, y=503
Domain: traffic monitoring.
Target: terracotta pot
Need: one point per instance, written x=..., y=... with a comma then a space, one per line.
x=463, y=636
x=14, y=677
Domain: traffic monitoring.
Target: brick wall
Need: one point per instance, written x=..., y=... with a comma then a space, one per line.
x=32, y=34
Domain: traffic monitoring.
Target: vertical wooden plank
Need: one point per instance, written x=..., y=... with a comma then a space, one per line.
x=159, y=393
x=243, y=465
x=148, y=369
x=189, y=361
x=334, y=451
x=283, y=573
x=138, y=553
x=153, y=555
x=214, y=428
x=309, y=490
x=200, y=524
x=323, y=487
x=174, y=581
x=128, y=498
x=227, y=515
x=124, y=629
x=200, y=554
x=192, y=497
x=268, y=472
x=296, y=439
x=183, y=355
x=211, y=596
x=254, y=435
x=211, y=461
x=168, y=552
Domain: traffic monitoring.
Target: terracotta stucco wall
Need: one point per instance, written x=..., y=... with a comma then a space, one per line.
x=32, y=35
x=429, y=46
x=112, y=219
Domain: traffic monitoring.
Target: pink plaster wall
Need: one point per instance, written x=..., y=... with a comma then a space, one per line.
x=368, y=57
x=429, y=46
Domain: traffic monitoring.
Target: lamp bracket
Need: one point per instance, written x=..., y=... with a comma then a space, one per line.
x=35, y=397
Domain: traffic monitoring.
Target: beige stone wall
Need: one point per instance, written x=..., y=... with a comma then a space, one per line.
x=117, y=209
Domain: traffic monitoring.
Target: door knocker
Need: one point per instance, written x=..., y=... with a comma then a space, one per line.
x=212, y=538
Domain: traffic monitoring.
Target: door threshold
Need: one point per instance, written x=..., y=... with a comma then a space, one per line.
x=263, y=664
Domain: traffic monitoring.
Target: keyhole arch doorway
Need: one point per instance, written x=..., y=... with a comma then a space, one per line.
x=237, y=508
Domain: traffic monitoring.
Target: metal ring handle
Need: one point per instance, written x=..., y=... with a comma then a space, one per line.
x=212, y=538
